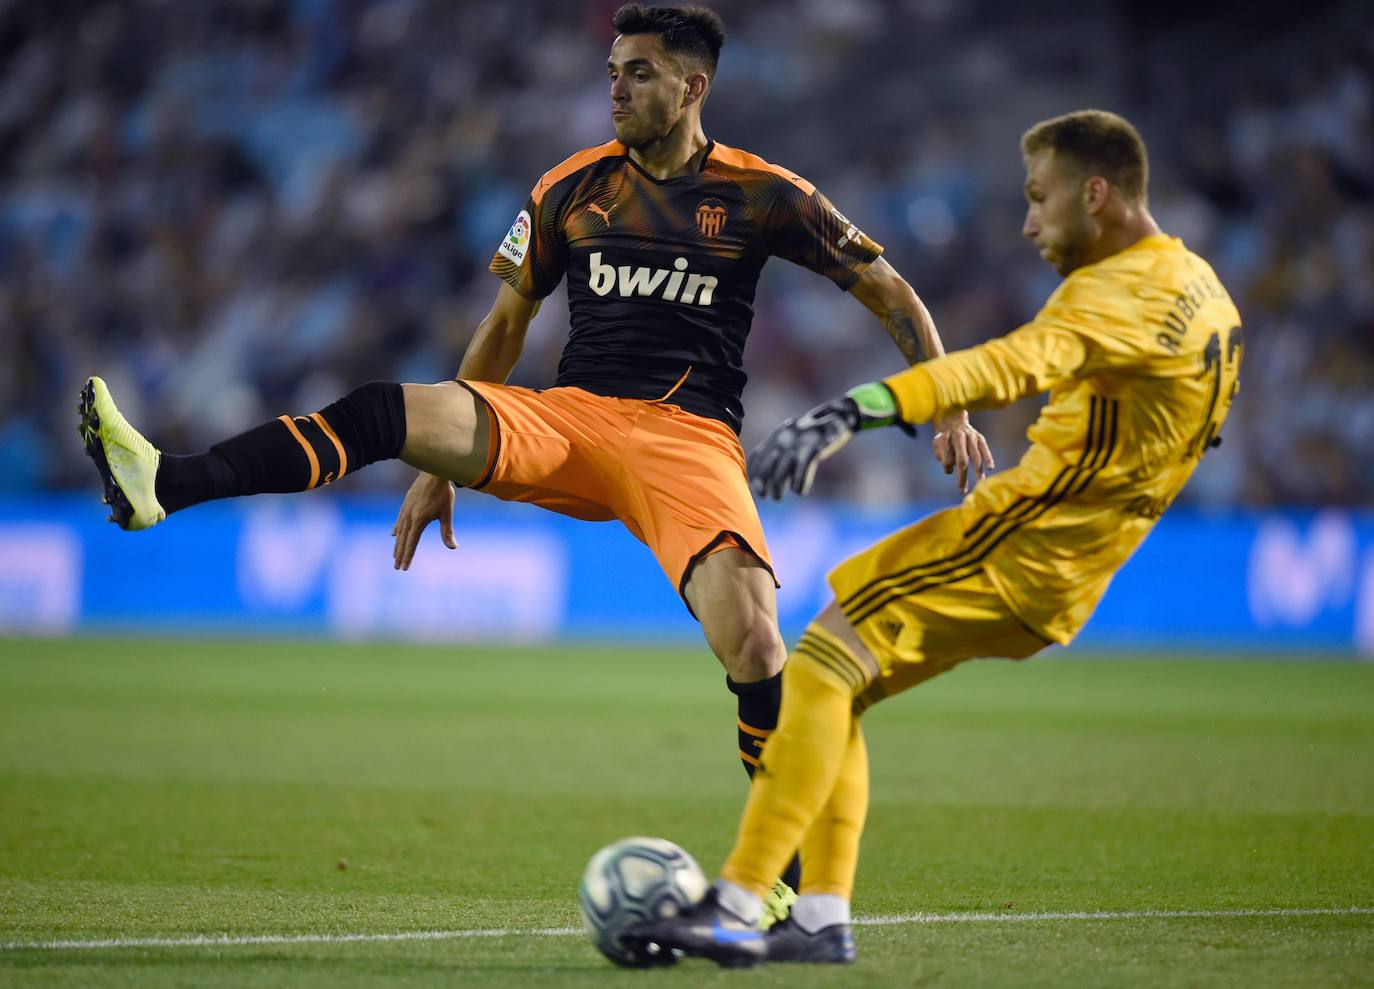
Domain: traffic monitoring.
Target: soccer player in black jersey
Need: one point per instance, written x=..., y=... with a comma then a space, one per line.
x=662, y=235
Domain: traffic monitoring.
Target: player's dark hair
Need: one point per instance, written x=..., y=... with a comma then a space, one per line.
x=694, y=33
x=1099, y=143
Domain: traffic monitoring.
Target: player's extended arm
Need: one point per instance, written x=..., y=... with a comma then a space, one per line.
x=889, y=296
x=490, y=356
x=1026, y=362
x=886, y=294
x=500, y=337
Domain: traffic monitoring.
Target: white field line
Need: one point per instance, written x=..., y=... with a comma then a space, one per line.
x=230, y=940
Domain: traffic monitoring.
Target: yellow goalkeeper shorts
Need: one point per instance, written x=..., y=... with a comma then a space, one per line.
x=919, y=616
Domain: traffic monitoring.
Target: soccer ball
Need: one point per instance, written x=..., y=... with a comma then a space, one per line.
x=634, y=880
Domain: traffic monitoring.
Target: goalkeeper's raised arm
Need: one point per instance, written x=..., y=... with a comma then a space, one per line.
x=990, y=375
x=1077, y=333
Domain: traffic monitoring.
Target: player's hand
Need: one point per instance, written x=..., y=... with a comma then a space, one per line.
x=958, y=446
x=792, y=452
x=429, y=498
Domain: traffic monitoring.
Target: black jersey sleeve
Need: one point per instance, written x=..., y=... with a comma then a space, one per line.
x=534, y=253
x=533, y=257
x=804, y=227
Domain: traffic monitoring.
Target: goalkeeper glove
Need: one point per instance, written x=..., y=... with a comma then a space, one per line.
x=793, y=451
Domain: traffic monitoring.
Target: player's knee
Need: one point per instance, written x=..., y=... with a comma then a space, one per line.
x=756, y=653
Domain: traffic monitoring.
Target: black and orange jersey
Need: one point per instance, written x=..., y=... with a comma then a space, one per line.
x=661, y=272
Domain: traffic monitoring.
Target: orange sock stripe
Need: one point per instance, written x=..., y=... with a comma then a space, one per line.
x=343, y=457
x=751, y=730
x=748, y=758
x=309, y=450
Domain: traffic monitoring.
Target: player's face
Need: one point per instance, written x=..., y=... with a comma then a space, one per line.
x=647, y=88
x=1057, y=218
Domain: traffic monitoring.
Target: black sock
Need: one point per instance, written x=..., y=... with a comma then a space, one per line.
x=759, y=703
x=291, y=454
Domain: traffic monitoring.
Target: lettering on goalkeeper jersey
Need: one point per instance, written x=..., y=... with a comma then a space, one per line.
x=1187, y=304
x=677, y=285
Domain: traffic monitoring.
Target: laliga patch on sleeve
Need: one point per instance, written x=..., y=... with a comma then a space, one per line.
x=517, y=242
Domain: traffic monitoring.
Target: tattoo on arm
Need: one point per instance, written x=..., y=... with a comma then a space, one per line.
x=902, y=329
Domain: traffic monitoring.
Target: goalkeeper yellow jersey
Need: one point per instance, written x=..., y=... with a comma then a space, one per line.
x=1140, y=354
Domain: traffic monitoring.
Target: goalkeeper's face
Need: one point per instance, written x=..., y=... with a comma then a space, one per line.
x=648, y=90
x=1058, y=221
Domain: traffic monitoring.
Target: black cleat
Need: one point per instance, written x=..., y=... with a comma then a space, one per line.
x=708, y=930
x=787, y=942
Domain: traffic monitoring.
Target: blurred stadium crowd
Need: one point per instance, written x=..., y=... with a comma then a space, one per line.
x=235, y=208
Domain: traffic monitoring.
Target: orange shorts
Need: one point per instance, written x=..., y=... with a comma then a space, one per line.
x=675, y=479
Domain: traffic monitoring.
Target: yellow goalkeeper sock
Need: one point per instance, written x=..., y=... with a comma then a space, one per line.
x=800, y=765
x=832, y=844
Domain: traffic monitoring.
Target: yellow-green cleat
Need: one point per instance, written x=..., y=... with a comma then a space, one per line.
x=777, y=904
x=126, y=461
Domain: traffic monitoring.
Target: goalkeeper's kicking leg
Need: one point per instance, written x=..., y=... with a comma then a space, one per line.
x=442, y=429
x=811, y=787
x=810, y=791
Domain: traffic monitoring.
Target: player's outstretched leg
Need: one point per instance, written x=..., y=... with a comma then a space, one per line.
x=143, y=485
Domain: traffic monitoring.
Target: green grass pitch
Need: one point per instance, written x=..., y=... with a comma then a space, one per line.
x=176, y=788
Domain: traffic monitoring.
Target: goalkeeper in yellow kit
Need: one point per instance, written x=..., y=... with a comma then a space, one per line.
x=1139, y=349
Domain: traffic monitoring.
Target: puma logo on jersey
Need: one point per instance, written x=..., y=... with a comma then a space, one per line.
x=677, y=285
x=605, y=214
